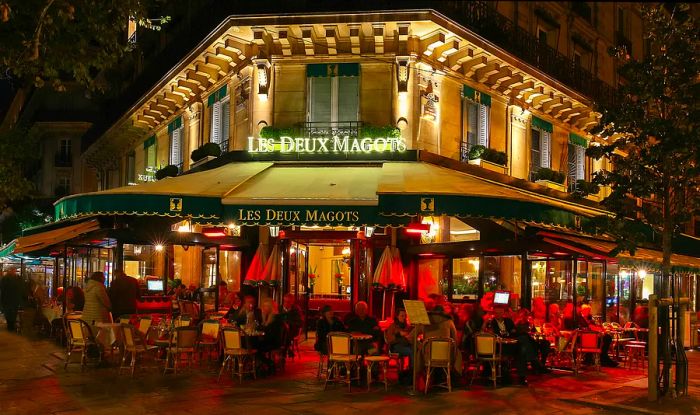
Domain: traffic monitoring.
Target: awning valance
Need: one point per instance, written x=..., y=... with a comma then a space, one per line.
x=642, y=256
x=542, y=124
x=8, y=249
x=476, y=96
x=322, y=70
x=371, y=193
x=42, y=240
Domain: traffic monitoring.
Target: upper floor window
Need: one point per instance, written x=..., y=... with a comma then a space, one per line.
x=475, y=117
x=541, y=144
x=333, y=97
x=65, y=148
x=130, y=168
x=576, y=160
x=63, y=186
x=219, y=115
x=175, y=132
x=150, y=155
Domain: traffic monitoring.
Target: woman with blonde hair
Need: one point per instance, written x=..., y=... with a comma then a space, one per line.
x=275, y=330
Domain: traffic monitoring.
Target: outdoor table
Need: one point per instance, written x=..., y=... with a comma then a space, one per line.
x=108, y=334
x=52, y=312
x=358, y=338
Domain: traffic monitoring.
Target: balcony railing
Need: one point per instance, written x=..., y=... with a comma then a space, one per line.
x=464, y=151
x=487, y=22
x=622, y=40
x=63, y=160
x=224, y=146
x=331, y=129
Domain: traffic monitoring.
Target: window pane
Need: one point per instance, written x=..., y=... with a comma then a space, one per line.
x=472, y=124
x=535, y=150
x=430, y=277
x=320, y=99
x=348, y=98
x=502, y=273
x=225, y=124
x=465, y=278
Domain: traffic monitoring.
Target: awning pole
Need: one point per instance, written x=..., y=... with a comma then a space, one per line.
x=217, y=278
x=65, y=276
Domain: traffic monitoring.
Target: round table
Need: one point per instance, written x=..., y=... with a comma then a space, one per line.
x=357, y=339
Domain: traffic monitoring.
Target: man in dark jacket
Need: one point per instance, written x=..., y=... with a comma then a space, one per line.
x=326, y=324
x=124, y=292
x=12, y=296
x=292, y=315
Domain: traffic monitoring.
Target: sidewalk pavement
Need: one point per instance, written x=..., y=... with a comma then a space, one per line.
x=32, y=381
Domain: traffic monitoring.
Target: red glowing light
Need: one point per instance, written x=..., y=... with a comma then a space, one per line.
x=418, y=228
x=560, y=253
x=214, y=232
x=424, y=254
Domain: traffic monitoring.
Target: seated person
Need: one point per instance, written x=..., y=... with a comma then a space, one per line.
x=292, y=315
x=326, y=324
x=441, y=325
x=522, y=352
x=274, y=327
x=473, y=325
x=586, y=322
x=233, y=302
x=524, y=326
x=399, y=336
x=248, y=314
x=361, y=322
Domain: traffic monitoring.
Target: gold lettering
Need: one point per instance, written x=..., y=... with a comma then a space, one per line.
x=311, y=215
x=270, y=215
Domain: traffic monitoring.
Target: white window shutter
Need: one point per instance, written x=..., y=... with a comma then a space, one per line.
x=216, y=122
x=580, y=163
x=545, y=139
x=483, y=125
x=176, y=147
x=225, y=120
x=472, y=123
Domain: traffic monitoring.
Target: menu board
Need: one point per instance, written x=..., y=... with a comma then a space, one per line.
x=416, y=311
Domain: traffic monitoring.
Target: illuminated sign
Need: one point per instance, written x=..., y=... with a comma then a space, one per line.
x=318, y=145
x=149, y=176
x=297, y=216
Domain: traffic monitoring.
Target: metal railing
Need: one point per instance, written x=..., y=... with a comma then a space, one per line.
x=331, y=129
x=224, y=146
x=464, y=151
x=486, y=21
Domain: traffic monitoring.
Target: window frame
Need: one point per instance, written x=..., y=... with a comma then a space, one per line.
x=181, y=157
x=334, y=99
x=481, y=123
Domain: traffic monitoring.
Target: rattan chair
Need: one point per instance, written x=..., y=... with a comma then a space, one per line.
x=134, y=345
x=240, y=358
x=438, y=353
x=565, y=351
x=487, y=352
x=340, y=354
x=183, y=341
x=80, y=338
x=209, y=337
x=589, y=342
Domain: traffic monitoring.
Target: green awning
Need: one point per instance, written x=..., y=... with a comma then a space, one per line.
x=175, y=124
x=217, y=95
x=476, y=96
x=8, y=249
x=322, y=70
x=150, y=141
x=542, y=124
x=577, y=140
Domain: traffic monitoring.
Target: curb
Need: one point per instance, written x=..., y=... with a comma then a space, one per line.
x=611, y=406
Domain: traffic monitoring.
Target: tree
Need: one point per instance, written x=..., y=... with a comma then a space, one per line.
x=654, y=142
x=19, y=159
x=49, y=42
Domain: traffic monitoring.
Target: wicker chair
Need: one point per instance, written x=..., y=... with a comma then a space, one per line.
x=236, y=355
x=209, y=337
x=80, y=338
x=589, y=342
x=487, y=352
x=134, y=345
x=340, y=354
x=183, y=341
x=438, y=352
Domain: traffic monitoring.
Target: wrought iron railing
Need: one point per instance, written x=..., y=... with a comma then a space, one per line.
x=224, y=146
x=331, y=129
x=487, y=22
x=464, y=151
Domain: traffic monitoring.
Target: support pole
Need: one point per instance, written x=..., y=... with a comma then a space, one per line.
x=65, y=277
x=653, y=369
x=217, y=279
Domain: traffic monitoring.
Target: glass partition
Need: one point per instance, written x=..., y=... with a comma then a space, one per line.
x=502, y=273
x=552, y=292
x=465, y=278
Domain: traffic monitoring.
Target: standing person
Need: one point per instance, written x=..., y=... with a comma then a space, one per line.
x=124, y=293
x=326, y=324
x=97, y=304
x=11, y=297
x=292, y=315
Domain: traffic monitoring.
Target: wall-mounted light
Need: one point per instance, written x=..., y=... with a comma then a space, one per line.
x=159, y=248
x=369, y=231
x=642, y=273
x=402, y=73
x=274, y=231
x=185, y=226
x=234, y=230
x=262, y=67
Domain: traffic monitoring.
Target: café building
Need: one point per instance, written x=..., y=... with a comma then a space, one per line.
x=285, y=154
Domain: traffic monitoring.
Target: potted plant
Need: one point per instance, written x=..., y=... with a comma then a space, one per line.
x=312, y=280
x=586, y=189
x=550, y=178
x=488, y=158
x=167, y=171
x=206, y=152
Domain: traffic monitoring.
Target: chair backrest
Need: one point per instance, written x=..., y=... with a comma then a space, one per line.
x=129, y=335
x=568, y=344
x=590, y=340
x=74, y=315
x=438, y=350
x=145, y=324
x=186, y=337
x=485, y=344
x=125, y=319
x=183, y=321
x=79, y=330
x=232, y=338
x=607, y=326
x=339, y=343
x=631, y=325
x=616, y=326
x=210, y=328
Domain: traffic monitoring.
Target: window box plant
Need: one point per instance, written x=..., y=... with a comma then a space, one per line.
x=204, y=153
x=588, y=190
x=550, y=178
x=167, y=171
x=488, y=158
